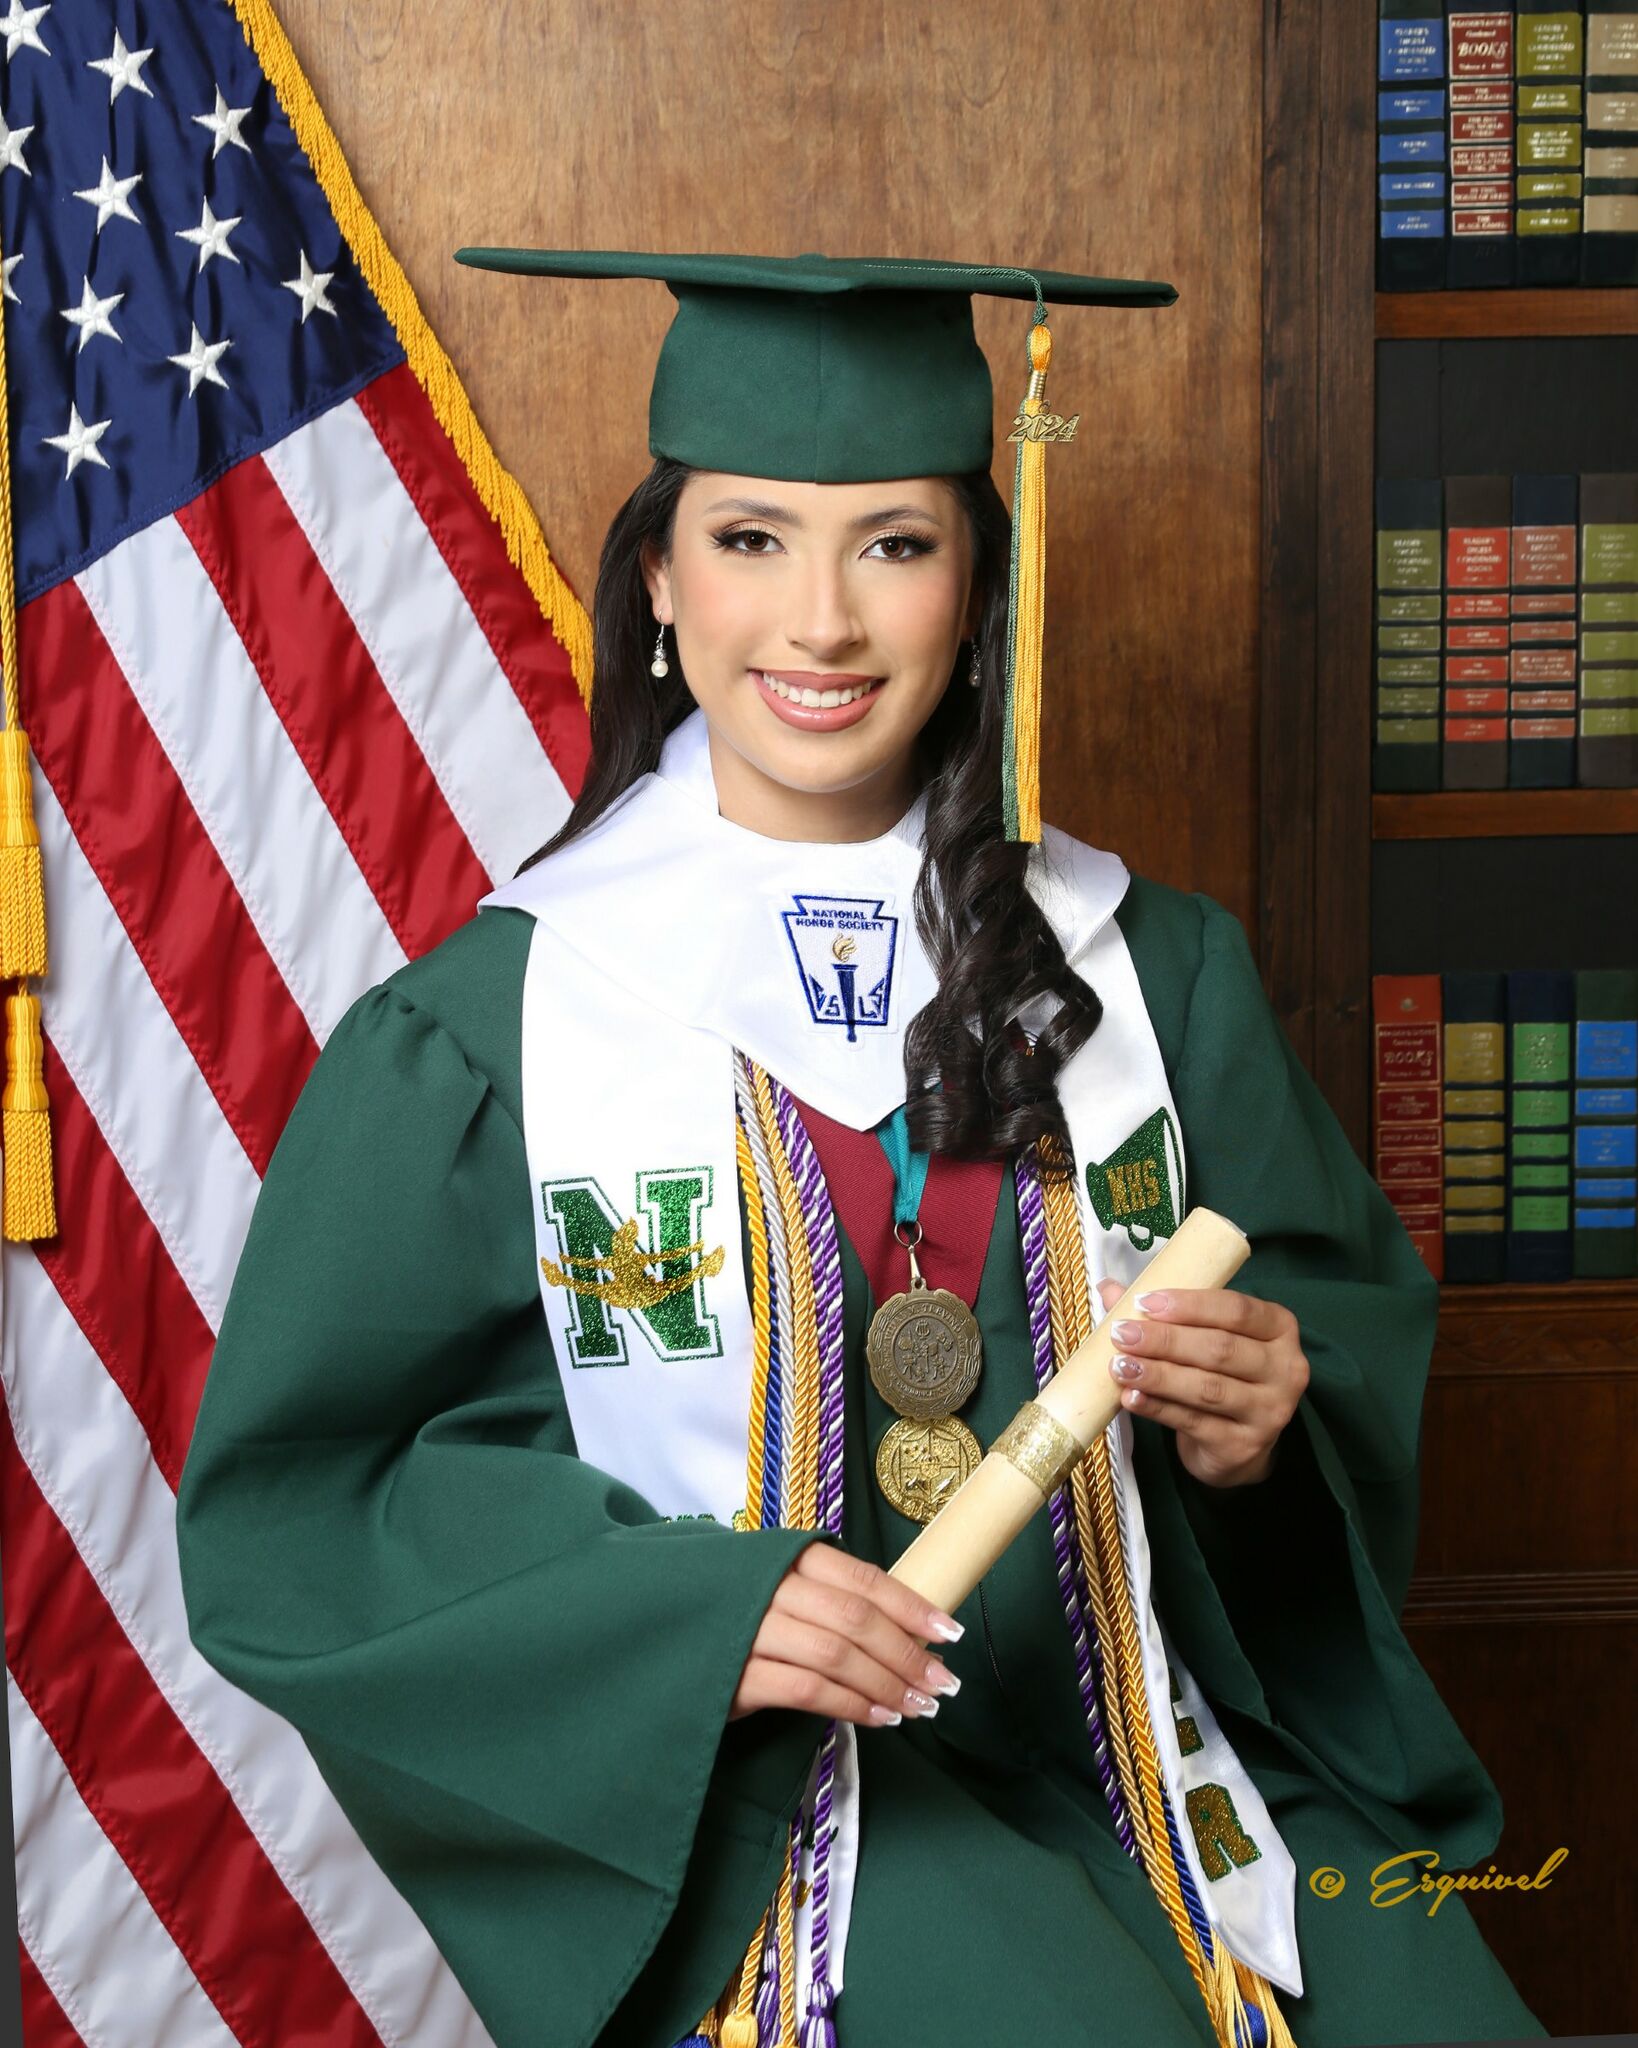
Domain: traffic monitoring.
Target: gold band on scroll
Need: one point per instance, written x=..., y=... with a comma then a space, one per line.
x=1038, y=1444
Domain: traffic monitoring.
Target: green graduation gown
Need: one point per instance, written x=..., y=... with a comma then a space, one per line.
x=515, y=1676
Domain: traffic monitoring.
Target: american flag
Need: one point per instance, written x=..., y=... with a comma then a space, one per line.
x=295, y=703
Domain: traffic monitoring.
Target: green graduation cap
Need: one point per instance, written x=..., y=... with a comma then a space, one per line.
x=828, y=369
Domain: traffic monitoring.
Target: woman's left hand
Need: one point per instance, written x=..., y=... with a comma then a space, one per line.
x=1223, y=1369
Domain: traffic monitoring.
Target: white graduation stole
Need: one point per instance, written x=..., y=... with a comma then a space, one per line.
x=665, y=937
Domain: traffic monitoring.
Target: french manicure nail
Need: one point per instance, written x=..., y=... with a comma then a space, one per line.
x=924, y=1706
x=943, y=1681
x=948, y=1628
x=884, y=1717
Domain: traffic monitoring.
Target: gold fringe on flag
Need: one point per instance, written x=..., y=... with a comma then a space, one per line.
x=500, y=491
x=28, y=1208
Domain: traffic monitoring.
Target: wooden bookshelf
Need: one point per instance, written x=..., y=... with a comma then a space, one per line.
x=1526, y=1574
x=1568, y=1328
x=1502, y=813
x=1412, y=316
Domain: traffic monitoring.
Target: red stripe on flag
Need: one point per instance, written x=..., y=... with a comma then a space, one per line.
x=474, y=548
x=154, y=1794
x=138, y=829
x=45, y=2024
x=340, y=716
x=116, y=1278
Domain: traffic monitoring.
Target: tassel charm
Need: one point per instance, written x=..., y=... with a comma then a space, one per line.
x=27, y=1207
x=819, y=2028
x=1021, y=744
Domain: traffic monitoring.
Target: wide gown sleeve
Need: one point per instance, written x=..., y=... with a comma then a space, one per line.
x=513, y=1674
x=1302, y=1576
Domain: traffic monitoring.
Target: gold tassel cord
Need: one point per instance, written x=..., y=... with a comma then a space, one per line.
x=500, y=491
x=1224, y=1982
x=1025, y=626
x=28, y=1207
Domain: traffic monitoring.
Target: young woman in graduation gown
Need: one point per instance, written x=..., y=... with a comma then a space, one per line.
x=575, y=1730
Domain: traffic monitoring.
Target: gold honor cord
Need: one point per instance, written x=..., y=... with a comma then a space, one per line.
x=1224, y=1983
x=28, y=1208
x=772, y=1198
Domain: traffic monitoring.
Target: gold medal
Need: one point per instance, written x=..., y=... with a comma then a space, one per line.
x=925, y=1351
x=924, y=1348
x=920, y=1464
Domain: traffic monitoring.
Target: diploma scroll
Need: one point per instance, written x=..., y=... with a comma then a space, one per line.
x=1039, y=1448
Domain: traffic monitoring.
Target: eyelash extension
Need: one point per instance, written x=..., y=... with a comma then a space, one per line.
x=917, y=543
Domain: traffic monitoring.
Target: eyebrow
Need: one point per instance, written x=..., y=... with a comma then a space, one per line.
x=760, y=508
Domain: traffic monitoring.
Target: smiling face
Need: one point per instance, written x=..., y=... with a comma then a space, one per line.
x=817, y=626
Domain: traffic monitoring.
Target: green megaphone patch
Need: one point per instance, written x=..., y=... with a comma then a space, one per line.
x=1136, y=1186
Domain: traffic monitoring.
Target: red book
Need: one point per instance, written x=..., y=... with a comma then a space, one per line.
x=1541, y=729
x=1478, y=577
x=1407, y=1105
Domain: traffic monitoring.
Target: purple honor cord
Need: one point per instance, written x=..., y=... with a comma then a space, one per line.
x=819, y=2028
x=1065, y=1542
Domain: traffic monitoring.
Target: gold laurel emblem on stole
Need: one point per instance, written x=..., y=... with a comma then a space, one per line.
x=630, y=1284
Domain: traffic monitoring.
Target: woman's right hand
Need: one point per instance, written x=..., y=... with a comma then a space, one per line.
x=845, y=1639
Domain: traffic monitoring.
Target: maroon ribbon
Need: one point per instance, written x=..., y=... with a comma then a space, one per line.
x=957, y=1213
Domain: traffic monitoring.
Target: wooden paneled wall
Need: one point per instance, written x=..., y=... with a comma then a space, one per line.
x=1128, y=141
x=1061, y=135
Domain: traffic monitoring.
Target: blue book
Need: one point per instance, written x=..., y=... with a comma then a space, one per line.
x=1605, y=1156
x=1412, y=205
x=1540, y=1020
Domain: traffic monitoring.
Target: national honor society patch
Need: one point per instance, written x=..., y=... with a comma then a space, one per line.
x=844, y=948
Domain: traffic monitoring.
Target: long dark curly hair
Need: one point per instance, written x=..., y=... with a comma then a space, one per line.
x=991, y=947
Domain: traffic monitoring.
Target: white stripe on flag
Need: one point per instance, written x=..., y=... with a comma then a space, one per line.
x=139, y=1080
x=91, y=1459
x=187, y=667
x=431, y=652
x=105, y=1953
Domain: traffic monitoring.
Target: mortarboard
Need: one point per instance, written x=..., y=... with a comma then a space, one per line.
x=829, y=369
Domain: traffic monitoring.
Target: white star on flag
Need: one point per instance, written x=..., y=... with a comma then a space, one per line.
x=108, y=195
x=211, y=235
x=11, y=147
x=18, y=27
x=91, y=314
x=80, y=442
x=6, y=268
x=122, y=68
x=200, y=361
x=309, y=288
x=223, y=122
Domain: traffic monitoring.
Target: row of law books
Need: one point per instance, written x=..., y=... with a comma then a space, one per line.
x=1507, y=144
x=1505, y=1114
x=1506, y=633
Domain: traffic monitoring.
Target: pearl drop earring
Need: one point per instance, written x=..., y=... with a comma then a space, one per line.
x=659, y=666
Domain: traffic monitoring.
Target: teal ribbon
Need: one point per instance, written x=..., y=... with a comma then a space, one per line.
x=909, y=1166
